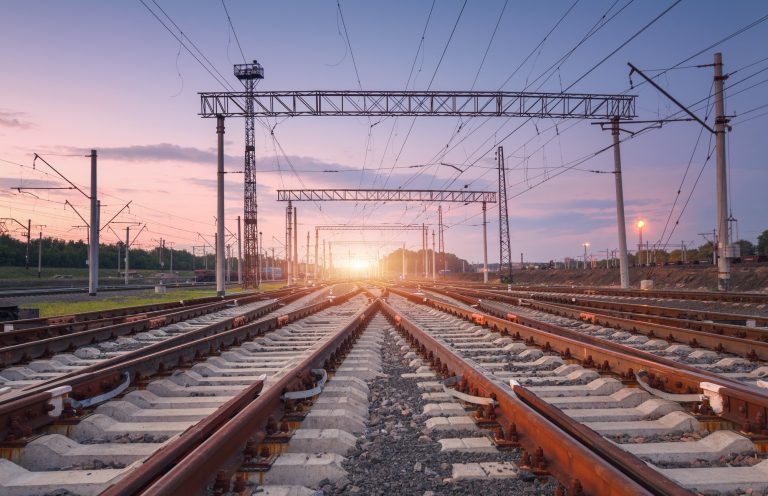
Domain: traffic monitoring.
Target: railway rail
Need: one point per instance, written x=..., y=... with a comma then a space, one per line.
x=183, y=384
x=718, y=296
x=505, y=394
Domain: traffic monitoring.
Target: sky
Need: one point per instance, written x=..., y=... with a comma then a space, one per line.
x=110, y=76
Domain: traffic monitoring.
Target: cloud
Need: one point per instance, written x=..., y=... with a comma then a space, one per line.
x=11, y=183
x=11, y=119
x=161, y=152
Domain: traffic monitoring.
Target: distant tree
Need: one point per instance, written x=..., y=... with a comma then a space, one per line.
x=762, y=243
x=747, y=248
x=704, y=252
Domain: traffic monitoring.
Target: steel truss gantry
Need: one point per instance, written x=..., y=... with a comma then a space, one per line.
x=397, y=195
x=385, y=227
x=418, y=103
x=254, y=104
x=384, y=195
x=363, y=227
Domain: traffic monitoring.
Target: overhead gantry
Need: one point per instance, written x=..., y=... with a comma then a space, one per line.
x=253, y=104
x=398, y=195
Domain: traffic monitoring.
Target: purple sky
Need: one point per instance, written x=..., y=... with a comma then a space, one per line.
x=107, y=75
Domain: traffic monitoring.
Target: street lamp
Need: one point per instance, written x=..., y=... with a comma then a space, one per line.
x=585, y=245
x=640, y=225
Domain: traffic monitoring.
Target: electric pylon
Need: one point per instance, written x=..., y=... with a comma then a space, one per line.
x=505, y=256
x=248, y=74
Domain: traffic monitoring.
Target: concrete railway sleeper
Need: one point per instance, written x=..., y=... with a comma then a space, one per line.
x=118, y=313
x=715, y=316
x=737, y=358
x=707, y=296
x=23, y=411
x=359, y=436
x=140, y=323
x=176, y=408
x=590, y=398
x=25, y=331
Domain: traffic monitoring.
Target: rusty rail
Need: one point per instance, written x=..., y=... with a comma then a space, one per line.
x=743, y=405
x=34, y=329
x=693, y=316
x=747, y=342
x=20, y=416
x=733, y=296
x=167, y=473
x=749, y=348
x=20, y=353
x=571, y=462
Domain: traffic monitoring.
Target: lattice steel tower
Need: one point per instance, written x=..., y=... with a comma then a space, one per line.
x=505, y=256
x=248, y=74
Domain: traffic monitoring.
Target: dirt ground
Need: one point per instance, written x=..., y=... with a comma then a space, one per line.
x=703, y=278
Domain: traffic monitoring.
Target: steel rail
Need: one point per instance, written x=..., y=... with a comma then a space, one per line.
x=739, y=403
x=53, y=290
x=20, y=416
x=23, y=352
x=747, y=342
x=726, y=296
x=68, y=325
x=695, y=317
x=113, y=313
x=569, y=461
x=193, y=472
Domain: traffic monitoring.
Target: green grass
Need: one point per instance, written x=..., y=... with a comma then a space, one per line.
x=107, y=302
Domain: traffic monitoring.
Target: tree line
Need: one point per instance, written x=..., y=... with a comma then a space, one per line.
x=71, y=254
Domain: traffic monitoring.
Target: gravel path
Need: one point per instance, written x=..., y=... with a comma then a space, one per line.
x=398, y=456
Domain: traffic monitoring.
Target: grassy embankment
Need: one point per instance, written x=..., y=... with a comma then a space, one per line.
x=51, y=308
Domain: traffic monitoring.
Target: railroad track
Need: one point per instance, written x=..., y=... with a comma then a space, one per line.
x=549, y=375
x=439, y=393
x=21, y=292
x=191, y=389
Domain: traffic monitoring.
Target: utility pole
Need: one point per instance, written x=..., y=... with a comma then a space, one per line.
x=317, y=239
x=28, y=228
x=306, y=263
x=273, y=264
x=127, y=245
x=426, y=252
x=239, y=254
x=119, y=253
x=433, y=256
x=485, y=248
x=403, y=261
x=295, y=243
x=441, y=238
x=220, y=291
x=288, y=242
x=620, y=221
x=227, y=264
x=93, y=264
x=29, y=233
x=261, y=264
x=331, y=272
x=171, y=253
x=40, y=252
x=723, y=243
x=324, y=274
